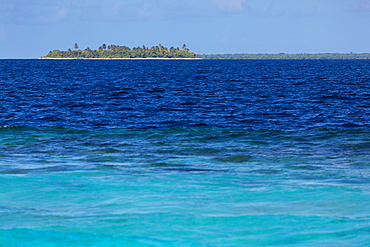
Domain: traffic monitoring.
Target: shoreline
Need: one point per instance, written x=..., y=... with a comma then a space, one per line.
x=138, y=58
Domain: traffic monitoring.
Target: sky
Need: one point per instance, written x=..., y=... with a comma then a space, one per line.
x=32, y=28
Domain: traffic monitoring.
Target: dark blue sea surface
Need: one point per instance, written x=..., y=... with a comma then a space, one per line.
x=184, y=153
x=280, y=95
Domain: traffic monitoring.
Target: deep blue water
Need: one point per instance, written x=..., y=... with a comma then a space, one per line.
x=280, y=95
x=184, y=153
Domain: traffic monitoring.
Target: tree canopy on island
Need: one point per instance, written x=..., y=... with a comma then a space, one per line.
x=159, y=51
x=116, y=51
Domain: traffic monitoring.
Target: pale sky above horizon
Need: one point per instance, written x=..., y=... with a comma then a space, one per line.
x=32, y=28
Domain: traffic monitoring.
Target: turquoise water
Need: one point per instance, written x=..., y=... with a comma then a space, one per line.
x=199, y=186
x=184, y=153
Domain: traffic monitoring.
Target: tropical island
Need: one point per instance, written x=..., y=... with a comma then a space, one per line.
x=161, y=52
x=117, y=51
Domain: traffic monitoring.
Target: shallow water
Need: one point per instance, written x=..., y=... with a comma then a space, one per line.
x=195, y=153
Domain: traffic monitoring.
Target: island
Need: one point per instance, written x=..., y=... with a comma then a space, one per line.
x=161, y=52
x=286, y=56
x=117, y=52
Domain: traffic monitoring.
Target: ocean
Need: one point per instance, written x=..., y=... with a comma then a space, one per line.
x=184, y=153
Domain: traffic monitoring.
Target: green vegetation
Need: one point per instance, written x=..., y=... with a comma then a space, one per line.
x=288, y=56
x=116, y=51
x=159, y=51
